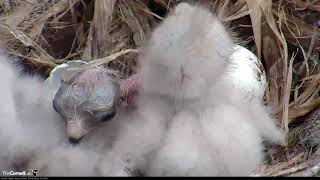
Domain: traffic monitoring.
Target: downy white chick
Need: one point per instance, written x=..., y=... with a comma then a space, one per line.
x=32, y=134
x=214, y=131
x=66, y=160
x=174, y=62
x=28, y=125
x=218, y=142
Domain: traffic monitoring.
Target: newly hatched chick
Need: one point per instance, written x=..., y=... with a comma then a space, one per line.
x=116, y=148
x=86, y=99
x=28, y=125
x=32, y=134
x=185, y=60
x=83, y=100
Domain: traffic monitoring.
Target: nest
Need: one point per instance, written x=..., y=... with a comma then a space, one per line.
x=284, y=34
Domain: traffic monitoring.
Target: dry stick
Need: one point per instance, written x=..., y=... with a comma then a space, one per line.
x=97, y=62
x=56, y=9
x=236, y=7
x=302, y=110
x=291, y=170
x=29, y=42
x=99, y=41
x=19, y=14
x=306, y=102
x=310, y=172
x=303, y=5
x=288, y=81
x=296, y=30
x=153, y=14
x=312, y=43
x=280, y=167
x=108, y=59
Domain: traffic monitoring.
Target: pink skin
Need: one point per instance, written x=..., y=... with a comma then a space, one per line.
x=130, y=88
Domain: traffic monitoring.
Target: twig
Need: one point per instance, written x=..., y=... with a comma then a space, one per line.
x=310, y=172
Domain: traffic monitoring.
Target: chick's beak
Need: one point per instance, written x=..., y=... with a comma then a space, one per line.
x=74, y=132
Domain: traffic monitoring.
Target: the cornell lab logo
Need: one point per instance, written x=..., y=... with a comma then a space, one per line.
x=34, y=172
x=30, y=172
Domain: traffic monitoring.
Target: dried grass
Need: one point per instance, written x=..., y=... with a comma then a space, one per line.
x=284, y=34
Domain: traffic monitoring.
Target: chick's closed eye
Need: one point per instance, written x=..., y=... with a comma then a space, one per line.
x=104, y=116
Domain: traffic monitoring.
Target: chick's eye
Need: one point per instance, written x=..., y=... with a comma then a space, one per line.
x=107, y=115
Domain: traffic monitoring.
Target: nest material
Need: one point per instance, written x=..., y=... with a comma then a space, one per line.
x=284, y=34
